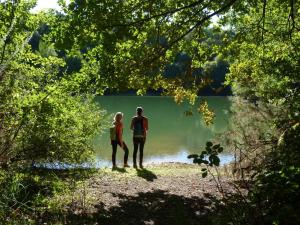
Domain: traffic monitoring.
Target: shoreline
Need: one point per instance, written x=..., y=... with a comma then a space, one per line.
x=65, y=166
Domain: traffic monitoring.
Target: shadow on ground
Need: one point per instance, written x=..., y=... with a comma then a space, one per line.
x=146, y=174
x=120, y=170
x=158, y=207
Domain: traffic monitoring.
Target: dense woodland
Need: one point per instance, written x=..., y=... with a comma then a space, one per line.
x=52, y=65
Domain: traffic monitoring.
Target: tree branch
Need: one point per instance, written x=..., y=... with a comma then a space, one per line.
x=263, y=19
x=159, y=15
x=160, y=52
x=199, y=23
x=7, y=36
x=292, y=18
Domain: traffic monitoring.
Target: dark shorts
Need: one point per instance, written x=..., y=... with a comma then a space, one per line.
x=115, y=142
x=139, y=140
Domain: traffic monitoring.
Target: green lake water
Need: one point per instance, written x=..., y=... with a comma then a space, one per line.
x=172, y=135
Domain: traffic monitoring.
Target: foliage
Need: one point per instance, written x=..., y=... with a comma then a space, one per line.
x=208, y=115
x=281, y=175
x=44, y=117
x=28, y=194
x=208, y=157
x=22, y=194
x=141, y=46
x=264, y=71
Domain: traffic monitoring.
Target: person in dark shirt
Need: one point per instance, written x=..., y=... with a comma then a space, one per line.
x=139, y=125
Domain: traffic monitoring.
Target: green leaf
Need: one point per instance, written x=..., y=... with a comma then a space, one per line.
x=192, y=156
x=209, y=144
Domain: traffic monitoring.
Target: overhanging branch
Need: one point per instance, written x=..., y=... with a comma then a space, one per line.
x=200, y=22
x=170, y=12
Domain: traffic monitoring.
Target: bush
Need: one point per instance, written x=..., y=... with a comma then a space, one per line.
x=60, y=129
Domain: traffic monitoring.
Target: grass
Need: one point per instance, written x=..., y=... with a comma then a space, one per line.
x=165, y=169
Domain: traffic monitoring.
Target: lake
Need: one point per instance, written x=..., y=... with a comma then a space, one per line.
x=172, y=135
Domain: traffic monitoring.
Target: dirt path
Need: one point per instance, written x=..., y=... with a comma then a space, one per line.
x=160, y=194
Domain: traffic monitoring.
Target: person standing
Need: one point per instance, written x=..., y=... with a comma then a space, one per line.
x=116, y=136
x=139, y=125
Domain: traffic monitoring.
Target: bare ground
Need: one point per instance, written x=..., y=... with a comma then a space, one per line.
x=165, y=194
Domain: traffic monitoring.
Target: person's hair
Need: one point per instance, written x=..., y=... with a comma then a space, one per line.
x=116, y=115
x=139, y=110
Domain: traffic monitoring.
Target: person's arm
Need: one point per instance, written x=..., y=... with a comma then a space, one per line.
x=146, y=124
x=119, y=128
x=132, y=122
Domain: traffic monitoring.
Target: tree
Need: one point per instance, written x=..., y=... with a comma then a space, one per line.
x=135, y=42
x=43, y=115
x=264, y=71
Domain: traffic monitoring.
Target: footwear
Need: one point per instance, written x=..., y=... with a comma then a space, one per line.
x=114, y=167
x=126, y=165
x=135, y=166
x=141, y=166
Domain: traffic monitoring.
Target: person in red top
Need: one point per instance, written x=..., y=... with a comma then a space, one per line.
x=139, y=125
x=118, y=140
